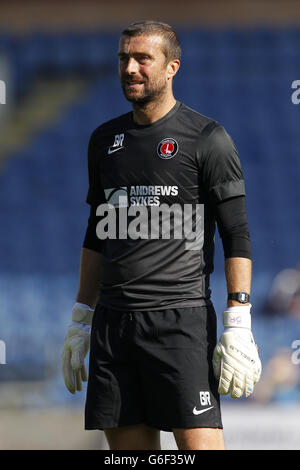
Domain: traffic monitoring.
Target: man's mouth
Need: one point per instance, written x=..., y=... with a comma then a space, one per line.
x=133, y=83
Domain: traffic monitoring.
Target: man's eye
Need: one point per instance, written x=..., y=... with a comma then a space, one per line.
x=123, y=58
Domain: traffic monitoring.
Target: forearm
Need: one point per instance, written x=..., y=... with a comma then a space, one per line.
x=89, y=278
x=236, y=361
x=232, y=223
x=238, y=272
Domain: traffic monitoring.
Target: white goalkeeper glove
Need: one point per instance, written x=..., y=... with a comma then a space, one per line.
x=236, y=362
x=77, y=343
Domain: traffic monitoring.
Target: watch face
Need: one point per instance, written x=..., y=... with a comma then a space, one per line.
x=241, y=297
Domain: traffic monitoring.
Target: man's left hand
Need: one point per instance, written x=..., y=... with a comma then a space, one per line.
x=236, y=361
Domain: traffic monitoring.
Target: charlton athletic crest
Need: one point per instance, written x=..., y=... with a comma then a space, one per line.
x=167, y=148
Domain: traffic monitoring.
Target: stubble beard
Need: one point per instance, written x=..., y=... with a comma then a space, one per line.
x=150, y=97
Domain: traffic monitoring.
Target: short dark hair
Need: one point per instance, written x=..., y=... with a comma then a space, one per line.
x=171, y=46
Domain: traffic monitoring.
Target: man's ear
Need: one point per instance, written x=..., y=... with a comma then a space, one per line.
x=173, y=67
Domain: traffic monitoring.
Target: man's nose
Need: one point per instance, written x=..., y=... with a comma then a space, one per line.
x=132, y=66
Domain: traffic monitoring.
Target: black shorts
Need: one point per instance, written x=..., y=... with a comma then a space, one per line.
x=153, y=367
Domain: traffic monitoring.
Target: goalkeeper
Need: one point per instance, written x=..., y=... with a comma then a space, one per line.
x=155, y=362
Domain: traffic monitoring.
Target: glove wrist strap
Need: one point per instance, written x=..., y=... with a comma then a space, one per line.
x=82, y=314
x=82, y=326
x=237, y=317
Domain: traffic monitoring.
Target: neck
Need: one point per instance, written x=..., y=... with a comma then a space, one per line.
x=152, y=111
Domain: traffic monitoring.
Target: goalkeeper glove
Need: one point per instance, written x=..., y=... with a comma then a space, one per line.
x=77, y=343
x=236, y=362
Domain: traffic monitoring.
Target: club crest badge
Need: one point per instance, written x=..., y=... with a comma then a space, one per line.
x=167, y=148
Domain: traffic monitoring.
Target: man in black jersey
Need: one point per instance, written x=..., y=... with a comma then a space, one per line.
x=160, y=178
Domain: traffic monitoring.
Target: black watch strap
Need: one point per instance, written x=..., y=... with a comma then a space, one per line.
x=242, y=297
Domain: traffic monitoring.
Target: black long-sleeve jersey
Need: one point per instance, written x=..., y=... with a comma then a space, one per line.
x=153, y=190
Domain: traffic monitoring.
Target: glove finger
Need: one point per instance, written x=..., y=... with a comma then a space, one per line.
x=249, y=385
x=67, y=371
x=217, y=356
x=78, y=380
x=257, y=373
x=238, y=385
x=226, y=376
x=77, y=359
x=84, y=376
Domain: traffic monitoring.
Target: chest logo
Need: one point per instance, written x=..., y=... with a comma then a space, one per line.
x=167, y=148
x=118, y=144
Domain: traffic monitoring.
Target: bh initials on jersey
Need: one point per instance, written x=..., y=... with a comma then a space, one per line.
x=205, y=398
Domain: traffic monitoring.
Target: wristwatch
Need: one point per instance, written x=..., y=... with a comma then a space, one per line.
x=241, y=297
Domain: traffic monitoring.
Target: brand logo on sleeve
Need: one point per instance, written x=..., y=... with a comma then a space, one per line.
x=167, y=148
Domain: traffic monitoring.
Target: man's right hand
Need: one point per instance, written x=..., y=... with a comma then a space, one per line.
x=76, y=346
